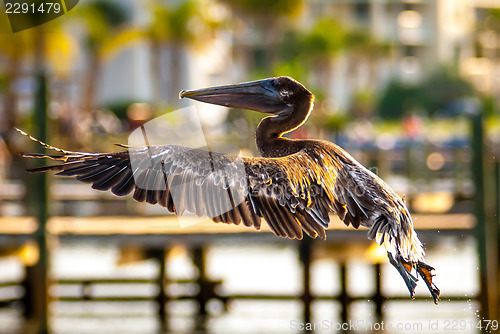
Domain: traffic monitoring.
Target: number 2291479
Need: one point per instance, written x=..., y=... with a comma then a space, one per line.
x=32, y=8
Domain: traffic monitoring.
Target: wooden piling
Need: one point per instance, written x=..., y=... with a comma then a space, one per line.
x=37, y=278
x=485, y=229
x=305, y=257
x=162, y=297
x=378, y=298
x=344, y=298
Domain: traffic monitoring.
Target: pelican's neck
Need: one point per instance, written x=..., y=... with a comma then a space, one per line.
x=268, y=135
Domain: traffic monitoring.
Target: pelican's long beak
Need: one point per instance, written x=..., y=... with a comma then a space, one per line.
x=260, y=95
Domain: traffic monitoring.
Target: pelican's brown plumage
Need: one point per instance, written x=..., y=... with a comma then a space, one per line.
x=294, y=186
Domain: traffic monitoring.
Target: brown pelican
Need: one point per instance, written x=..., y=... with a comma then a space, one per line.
x=294, y=186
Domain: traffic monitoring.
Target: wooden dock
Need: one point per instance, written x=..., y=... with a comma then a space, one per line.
x=156, y=235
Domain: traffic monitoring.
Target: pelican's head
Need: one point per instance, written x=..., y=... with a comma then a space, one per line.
x=276, y=96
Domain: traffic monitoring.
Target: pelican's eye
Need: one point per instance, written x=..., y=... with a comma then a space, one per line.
x=285, y=94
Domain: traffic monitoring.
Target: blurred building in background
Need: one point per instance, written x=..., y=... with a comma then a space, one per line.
x=111, y=54
x=407, y=41
x=423, y=35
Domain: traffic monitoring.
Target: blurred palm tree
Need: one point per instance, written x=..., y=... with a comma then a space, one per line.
x=435, y=95
x=174, y=28
x=268, y=20
x=257, y=28
x=309, y=55
x=487, y=45
x=103, y=20
x=13, y=49
x=364, y=48
x=24, y=53
x=314, y=51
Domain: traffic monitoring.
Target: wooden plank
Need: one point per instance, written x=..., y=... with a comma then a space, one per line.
x=12, y=190
x=103, y=225
x=18, y=225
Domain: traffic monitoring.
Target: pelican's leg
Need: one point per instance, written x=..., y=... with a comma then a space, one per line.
x=424, y=270
x=404, y=270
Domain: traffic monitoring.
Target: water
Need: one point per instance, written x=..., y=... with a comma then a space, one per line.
x=254, y=268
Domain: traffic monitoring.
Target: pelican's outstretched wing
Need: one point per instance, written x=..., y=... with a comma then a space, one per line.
x=293, y=194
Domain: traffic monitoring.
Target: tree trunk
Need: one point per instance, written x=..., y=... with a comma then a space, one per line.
x=91, y=83
x=10, y=102
x=156, y=74
x=175, y=73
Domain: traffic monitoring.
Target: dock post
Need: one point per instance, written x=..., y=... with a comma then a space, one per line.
x=378, y=297
x=199, y=262
x=305, y=250
x=37, y=277
x=496, y=221
x=162, y=298
x=485, y=229
x=410, y=172
x=205, y=287
x=344, y=294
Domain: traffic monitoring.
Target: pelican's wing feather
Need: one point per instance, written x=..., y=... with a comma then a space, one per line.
x=293, y=194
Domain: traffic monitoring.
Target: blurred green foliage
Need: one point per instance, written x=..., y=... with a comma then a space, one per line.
x=266, y=7
x=363, y=103
x=119, y=108
x=300, y=50
x=325, y=39
x=307, y=53
x=432, y=95
x=362, y=43
x=442, y=87
x=492, y=21
x=396, y=100
x=490, y=106
x=336, y=122
x=101, y=17
x=171, y=22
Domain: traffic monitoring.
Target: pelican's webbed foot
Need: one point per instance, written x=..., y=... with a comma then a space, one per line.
x=424, y=270
x=404, y=269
